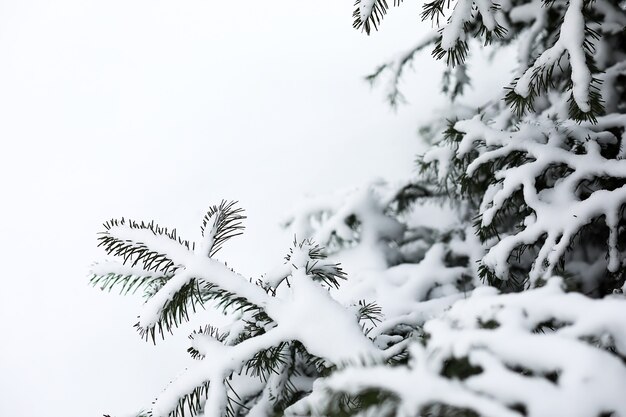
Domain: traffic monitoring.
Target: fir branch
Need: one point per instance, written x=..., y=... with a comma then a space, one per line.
x=434, y=10
x=586, y=102
x=136, y=252
x=192, y=296
x=268, y=361
x=174, y=312
x=206, y=331
x=220, y=224
x=369, y=312
x=454, y=56
x=129, y=282
x=310, y=256
x=369, y=13
x=190, y=404
x=596, y=104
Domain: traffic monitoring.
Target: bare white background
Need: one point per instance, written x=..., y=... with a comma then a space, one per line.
x=154, y=110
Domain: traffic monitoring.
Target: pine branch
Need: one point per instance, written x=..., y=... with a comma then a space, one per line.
x=190, y=404
x=454, y=55
x=369, y=312
x=108, y=275
x=192, y=296
x=434, y=10
x=310, y=256
x=369, y=13
x=268, y=361
x=207, y=331
x=220, y=224
x=174, y=312
x=585, y=101
x=268, y=342
x=125, y=238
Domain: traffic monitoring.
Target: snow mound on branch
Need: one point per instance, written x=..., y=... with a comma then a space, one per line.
x=540, y=353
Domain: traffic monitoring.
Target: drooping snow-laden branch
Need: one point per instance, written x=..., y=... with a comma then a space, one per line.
x=582, y=40
x=539, y=353
x=370, y=13
x=554, y=167
x=535, y=14
x=572, y=40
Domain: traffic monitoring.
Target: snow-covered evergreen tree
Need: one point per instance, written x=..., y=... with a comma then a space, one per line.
x=512, y=307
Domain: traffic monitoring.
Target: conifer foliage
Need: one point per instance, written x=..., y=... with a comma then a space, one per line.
x=277, y=343
x=514, y=307
x=535, y=179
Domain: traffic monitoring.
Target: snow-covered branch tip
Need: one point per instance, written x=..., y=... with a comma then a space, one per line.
x=220, y=224
x=477, y=18
x=576, y=40
x=369, y=13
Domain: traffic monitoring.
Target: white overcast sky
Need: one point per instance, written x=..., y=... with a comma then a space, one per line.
x=155, y=110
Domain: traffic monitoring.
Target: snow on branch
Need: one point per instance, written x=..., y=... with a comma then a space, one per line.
x=467, y=16
x=305, y=313
x=281, y=325
x=109, y=274
x=355, y=218
x=369, y=13
x=576, y=38
x=436, y=268
x=556, y=179
x=539, y=353
x=126, y=239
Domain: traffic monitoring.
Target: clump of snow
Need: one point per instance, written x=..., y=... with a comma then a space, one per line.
x=558, y=212
x=543, y=351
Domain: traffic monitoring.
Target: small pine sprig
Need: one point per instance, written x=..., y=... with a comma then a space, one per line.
x=191, y=297
x=369, y=315
x=468, y=18
x=129, y=280
x=309, y=255
x=453, y=56
x=206, y=331
x=455, y=80
x=596, y=104
x=434, y=10
x=174, y=312
x=369, y=13
x=585, y=102
x=220, y=224
x=190, y=405
x=135, y=252
x=268, y=361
